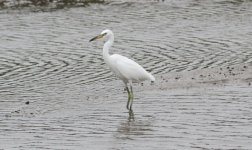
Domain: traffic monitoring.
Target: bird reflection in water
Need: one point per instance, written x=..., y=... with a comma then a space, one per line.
x=132, y=127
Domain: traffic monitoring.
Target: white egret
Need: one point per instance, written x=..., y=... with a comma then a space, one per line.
x=126, y=69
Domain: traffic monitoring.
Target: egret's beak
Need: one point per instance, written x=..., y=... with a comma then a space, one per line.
x=97, y=37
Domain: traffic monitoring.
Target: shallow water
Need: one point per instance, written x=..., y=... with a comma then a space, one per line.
x=76, y=103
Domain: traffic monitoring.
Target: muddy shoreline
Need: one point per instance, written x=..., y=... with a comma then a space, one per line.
x=219, y=76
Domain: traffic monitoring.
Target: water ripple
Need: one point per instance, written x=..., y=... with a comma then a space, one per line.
x=75, y=101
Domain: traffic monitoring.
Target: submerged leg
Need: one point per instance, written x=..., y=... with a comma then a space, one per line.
x=128, y=97
x=131, y=116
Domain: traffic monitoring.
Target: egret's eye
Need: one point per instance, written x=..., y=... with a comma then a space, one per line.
x=104, y=34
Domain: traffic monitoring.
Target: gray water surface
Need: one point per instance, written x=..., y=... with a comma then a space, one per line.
x=75, y=102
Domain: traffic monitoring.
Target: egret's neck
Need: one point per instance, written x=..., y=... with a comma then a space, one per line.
x=106, y=48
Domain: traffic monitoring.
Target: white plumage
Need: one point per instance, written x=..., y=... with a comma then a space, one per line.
x=126, y=69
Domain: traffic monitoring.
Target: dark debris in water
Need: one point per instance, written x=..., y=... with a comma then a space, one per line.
x=45, y=5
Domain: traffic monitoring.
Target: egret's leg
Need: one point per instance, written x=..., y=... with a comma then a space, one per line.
x=128, y=97
x=132, y=97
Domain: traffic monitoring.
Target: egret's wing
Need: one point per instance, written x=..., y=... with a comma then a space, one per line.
x=129, y=69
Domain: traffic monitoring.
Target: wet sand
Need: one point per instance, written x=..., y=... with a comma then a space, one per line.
x=218, y=76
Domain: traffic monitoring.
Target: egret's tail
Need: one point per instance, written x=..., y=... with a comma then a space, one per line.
x=152, y=78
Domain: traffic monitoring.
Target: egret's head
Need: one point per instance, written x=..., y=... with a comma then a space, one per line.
x=106, y=34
